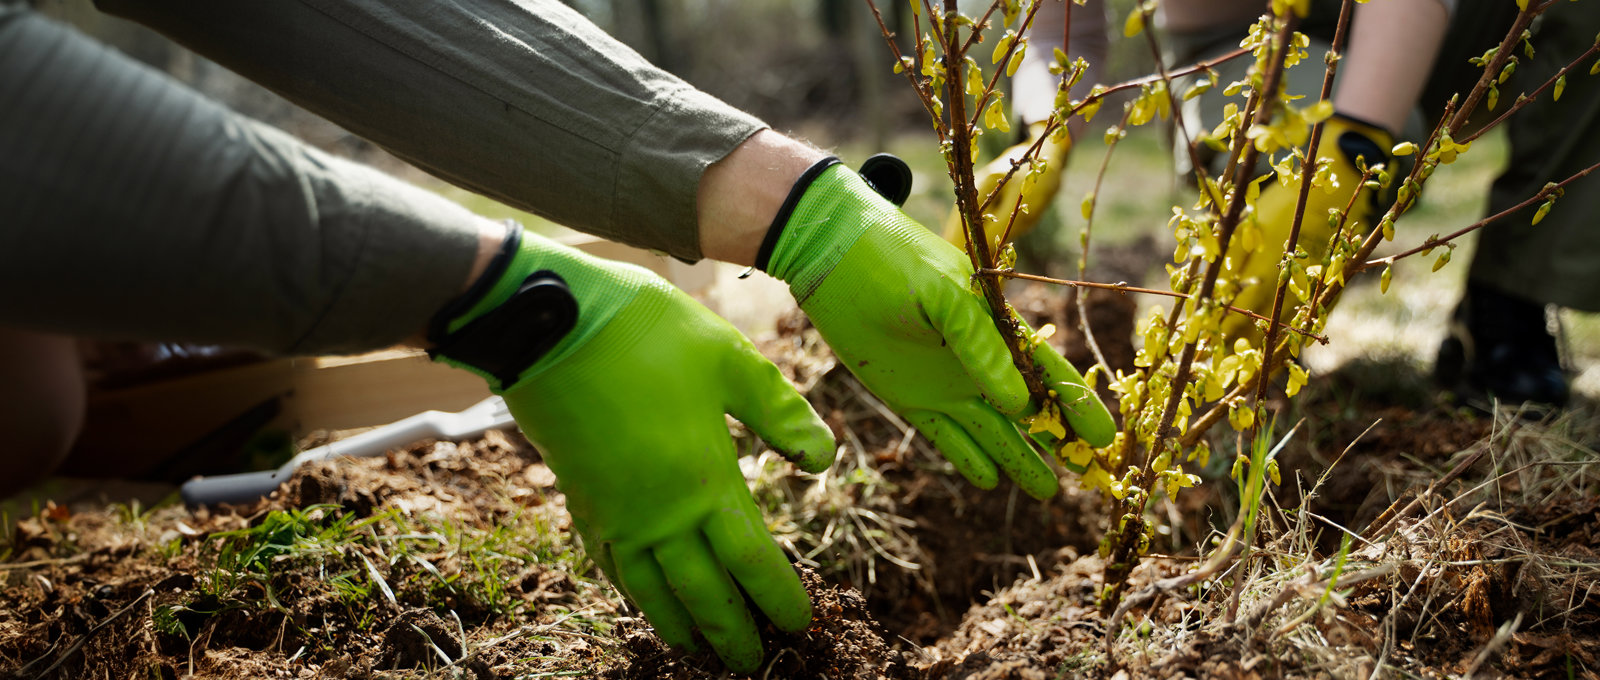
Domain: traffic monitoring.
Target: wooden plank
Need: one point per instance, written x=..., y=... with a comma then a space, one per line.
x=127, y=428
x=341, y=393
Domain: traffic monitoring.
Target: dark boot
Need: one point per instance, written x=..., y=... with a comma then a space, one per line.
x=1499, y=348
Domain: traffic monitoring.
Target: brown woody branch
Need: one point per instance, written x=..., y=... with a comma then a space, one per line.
x=1120, y=562
x=1545, y=193
x=1308, y=170
x=1527, y=99
x=1119, y=87
x=963, y=174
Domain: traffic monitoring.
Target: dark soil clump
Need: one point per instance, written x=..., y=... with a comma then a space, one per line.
x=843, y=642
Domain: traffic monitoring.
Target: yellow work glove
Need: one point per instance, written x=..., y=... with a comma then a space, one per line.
x=1035, y=194
x=1256, y=268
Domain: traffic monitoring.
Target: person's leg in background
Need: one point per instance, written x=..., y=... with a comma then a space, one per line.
x=1499, y=345
x=41, y=405
x=1197, y=30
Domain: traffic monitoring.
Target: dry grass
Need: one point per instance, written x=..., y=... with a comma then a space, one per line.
x=1484, y=567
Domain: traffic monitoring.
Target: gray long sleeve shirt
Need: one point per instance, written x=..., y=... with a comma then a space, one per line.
x=132, y=207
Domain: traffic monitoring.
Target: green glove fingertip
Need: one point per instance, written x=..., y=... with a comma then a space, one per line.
x=952, y=440
x=706, y=589
x=815, y=456
x=971, y=334
x=1082, y=408
x=738, y=536
x=766, y=403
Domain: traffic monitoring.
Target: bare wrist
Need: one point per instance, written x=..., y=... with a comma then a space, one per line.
x=740, y=195
x=491, y=236
x=1392, y=48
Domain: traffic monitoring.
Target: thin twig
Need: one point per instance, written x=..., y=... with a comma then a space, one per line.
x=994, y=80
x=1033, y=151
x=1451, y=123
x=982, y=23
x=1430, y=244
x=1119, y=565
x=1125, y=288
x=924, y=93
x=933, y=21
x=86, y=637
x=1527, y=99
x=1280, y=351
x=1308, y=170
x=1083, y=248
x=1497, y=63
x=959, y=159
x=1176, y=105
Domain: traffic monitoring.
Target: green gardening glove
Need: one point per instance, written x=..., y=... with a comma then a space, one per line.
x=627, y=409
x=895, y=302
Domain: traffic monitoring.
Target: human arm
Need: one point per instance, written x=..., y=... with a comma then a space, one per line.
x=1392, y=49
x=1387, y=60
x=144, y=210
x=701, y=132
x=135, y=208
x=525, y=102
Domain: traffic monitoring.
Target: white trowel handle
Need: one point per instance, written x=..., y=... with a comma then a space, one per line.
x=486, y=415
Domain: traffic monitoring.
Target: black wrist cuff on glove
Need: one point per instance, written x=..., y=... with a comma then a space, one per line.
x=1354, y=144
x=439, y=325
x=504, y=341
x=884, y=172
x=770, y=241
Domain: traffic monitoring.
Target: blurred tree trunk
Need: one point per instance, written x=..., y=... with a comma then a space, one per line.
x=873, y=62
x=853, y=34
x=642, y=25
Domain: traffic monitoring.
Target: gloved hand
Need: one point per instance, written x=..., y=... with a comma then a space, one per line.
x=1035, y=195
x=896, y=304
x=627, y=409
x=1343, y=140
